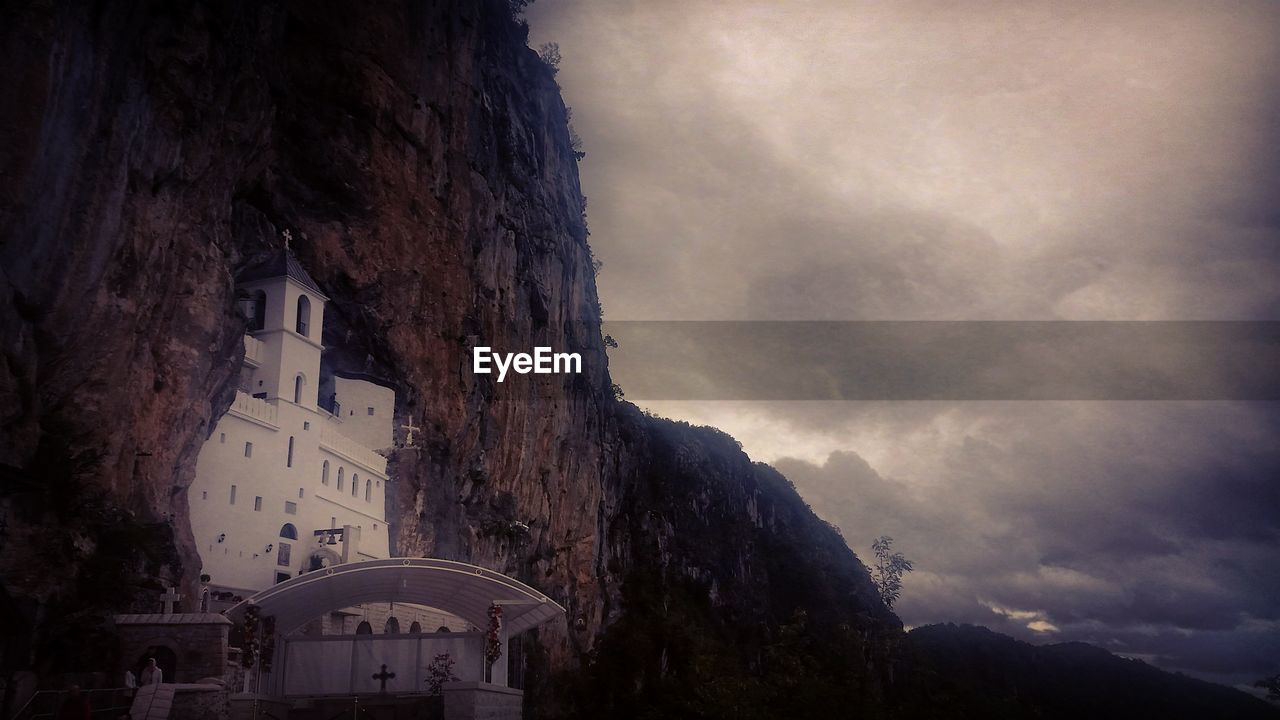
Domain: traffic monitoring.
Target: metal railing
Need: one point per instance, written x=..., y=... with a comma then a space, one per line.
x=103, y=703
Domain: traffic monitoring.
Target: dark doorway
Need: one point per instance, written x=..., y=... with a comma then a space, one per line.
x=166, y=659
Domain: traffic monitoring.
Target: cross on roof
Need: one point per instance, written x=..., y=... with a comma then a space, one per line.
x=170, y=597
x=383, y=676
x=287, y=237
x=409, y=430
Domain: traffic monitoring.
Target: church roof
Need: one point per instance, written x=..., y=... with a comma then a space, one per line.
x=460, y=589
x=282, y=264
x=172, y=619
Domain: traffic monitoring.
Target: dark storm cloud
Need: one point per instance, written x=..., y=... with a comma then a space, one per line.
x=927, y=160
x=932, y=160
x=1116, y=531
x=971, y=360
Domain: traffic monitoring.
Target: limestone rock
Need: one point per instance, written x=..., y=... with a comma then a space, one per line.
x=420, y=155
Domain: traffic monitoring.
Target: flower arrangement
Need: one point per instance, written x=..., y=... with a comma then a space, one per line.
x=268, y=651
x=439, y=672
x=249, y=654
x=493, y=638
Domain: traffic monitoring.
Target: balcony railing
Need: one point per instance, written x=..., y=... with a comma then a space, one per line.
x=337, y=442
x=254, y=408
x=253, y=350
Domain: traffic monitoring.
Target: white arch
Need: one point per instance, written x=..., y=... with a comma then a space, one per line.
x=460, y=589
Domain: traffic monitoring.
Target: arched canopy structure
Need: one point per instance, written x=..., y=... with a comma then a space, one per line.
x=460, y=589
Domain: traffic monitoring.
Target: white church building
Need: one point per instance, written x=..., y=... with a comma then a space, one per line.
x=290, y=481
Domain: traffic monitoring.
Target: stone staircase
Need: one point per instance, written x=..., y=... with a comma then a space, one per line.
x=153, y=702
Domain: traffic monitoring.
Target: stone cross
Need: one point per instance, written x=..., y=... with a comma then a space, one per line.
x=383, y=677
x=170, y=597
x=287, y=237
x=409, y=430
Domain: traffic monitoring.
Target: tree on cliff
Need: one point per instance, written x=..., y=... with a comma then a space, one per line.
x=1271, y=685
x=889, y=569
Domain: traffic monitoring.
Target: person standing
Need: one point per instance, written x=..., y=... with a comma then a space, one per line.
x=151, y=674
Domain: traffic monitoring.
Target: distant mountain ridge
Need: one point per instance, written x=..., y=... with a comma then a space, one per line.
x=972, y=672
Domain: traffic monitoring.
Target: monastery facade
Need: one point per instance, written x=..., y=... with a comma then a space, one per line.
x=293, y=479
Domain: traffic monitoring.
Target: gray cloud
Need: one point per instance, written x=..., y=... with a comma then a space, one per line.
x=928, y=160
x=1120, y=524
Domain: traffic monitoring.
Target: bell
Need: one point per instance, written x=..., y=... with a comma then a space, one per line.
x=333, y=539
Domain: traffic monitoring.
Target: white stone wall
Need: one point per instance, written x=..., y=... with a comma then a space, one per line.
x=270, y=493
x=305, y=468
x=367, y=411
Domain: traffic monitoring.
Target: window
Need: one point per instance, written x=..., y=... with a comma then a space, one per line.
x=222, y=437
x=248, y=449
x=415, y=628
x=364, y=628
x=289, y=460
x=281, y=577
x=368, y=491
x=355, y=484
x=324, y=473
x=257, y=504
x=259, y=311
x=204, y=495
x=371, y=412
x=283, y=555
x=298, y=382
x=233, y=494
x=340, y=471
x=300, y=493
x=306, y=424
x=304, y=315
x=290, y=508
x=288, y=531
x=392, y=627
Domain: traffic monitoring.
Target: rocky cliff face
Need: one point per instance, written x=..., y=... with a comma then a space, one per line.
x=419, y=153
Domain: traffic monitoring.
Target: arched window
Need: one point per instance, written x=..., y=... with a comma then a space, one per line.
x=368, y=491
x=415, y=628
x=364, y=628
x=259, y=311
x=288, y=531
x=393, y=626
x=298, y=382
x=289, y=460
x=304, y=315
x=355, y=484
x=324, y=473
x=340, y=471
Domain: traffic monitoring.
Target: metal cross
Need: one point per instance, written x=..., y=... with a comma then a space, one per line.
x=287, y=237
x=383, y=676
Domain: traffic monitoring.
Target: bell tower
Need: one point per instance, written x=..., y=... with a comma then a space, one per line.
x=287, y=317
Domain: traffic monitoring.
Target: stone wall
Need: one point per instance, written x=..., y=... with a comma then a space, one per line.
x=200, y=648
x=201, y=703
x=377, y=614
x=475, y=700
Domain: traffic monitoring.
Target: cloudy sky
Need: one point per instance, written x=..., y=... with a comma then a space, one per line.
x=964, y=161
